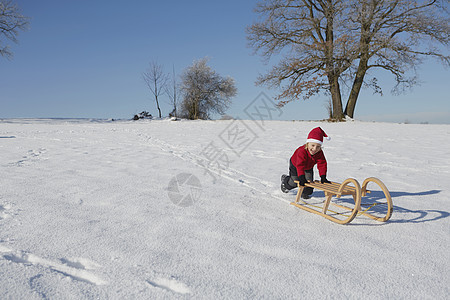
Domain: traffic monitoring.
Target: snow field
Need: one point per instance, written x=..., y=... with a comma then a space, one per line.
x=85, y=212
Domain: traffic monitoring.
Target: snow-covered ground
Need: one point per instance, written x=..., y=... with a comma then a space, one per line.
x=192, y=209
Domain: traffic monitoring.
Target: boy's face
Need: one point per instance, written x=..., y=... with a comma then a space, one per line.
x=313, y=148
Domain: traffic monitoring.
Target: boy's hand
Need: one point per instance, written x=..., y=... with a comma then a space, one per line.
x=323, y=179
x=302, y=180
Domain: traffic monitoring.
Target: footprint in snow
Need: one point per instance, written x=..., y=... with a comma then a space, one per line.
x=32, y=155
x=80, y=263
x=76, y=269
x=170, y=284
x=4, y=211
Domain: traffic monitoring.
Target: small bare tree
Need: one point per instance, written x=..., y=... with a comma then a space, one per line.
x=172, y=91
x=205, y=91
x=11, y=22
x=156, y=81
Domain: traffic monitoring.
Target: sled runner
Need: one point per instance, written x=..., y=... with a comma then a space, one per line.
x=349, y=187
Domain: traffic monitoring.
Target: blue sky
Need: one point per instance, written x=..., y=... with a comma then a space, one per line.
x=84, y=59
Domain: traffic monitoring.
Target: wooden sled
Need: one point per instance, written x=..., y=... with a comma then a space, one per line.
x=349, y=187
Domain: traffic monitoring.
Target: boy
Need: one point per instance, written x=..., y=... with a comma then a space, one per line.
x=302, y=162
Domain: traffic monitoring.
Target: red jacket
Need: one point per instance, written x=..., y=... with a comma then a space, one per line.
x=303, y=160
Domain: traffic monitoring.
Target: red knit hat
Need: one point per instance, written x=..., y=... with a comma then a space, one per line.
x=316, y=136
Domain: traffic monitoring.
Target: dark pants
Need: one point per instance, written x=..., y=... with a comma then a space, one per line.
x=293, y=176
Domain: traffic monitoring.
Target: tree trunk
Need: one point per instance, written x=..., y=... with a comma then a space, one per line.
x=356, y=88
x=156, y=96
x=336, y=98
x=157, y=105
x=194, y=111
x=333, y=78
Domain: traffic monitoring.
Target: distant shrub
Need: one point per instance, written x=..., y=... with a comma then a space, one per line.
x=143, y=115
x=226, y=117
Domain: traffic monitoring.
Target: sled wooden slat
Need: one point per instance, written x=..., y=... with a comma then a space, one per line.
x=332, y=187
x=337, y=189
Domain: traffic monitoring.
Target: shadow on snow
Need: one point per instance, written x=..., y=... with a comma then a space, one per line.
x=406, y=215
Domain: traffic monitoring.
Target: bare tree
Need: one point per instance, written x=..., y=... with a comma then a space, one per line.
x=11, y=22
x=392, y=37
x=156, y=81
x=327, y=43
x=171, y=91
x=205, y=91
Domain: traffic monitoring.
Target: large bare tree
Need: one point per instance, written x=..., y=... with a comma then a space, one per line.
x=326, y=45
x=205, y=91
x=11, y=22
x=156, y=81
